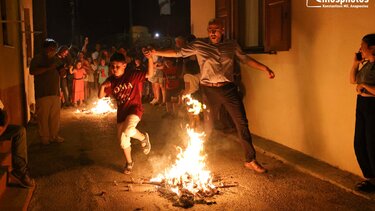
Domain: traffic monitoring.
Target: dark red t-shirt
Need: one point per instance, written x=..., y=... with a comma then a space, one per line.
x=125, y=89
x=172, y=81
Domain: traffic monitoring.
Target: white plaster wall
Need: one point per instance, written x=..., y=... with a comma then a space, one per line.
x=201, y=13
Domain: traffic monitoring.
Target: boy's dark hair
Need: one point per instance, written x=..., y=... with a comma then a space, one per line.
x=117, y=57
x=49, y=43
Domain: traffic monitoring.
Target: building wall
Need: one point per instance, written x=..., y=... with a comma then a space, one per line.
x=27, y=54
x=201, y=13
x=310, y=105
x=11, y=74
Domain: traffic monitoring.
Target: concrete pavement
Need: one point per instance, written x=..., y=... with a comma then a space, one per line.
x=311, y=166
x=82, y=172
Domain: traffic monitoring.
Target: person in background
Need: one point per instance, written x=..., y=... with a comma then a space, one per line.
x=102, y=71
x=47, y=92
x=124, y=52
x=95, y=54
x=216, y=57
x=94, y=66
x=89, y=80
x=158, y=83
x=84, y=47
x=363, y=75
x=17, y=134
x=66, y=60
x=180, y=42
x=123, y=85
x=138, y=66
x=79, y=73
x=172, y=88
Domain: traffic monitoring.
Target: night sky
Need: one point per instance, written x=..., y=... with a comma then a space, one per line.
x=100, y=20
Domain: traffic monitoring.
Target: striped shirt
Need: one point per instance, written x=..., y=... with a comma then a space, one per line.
x=216, y=61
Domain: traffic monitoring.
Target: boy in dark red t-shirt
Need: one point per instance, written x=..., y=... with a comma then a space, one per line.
x=123, y=85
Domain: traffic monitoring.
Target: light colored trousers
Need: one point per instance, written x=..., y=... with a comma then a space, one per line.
x=48, y=112
x=127, y=129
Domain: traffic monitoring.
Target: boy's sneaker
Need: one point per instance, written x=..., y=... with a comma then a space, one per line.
x=128, y=168
x=23, y=180
x=146, y=144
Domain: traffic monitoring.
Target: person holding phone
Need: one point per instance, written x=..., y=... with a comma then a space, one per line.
x=363, y=75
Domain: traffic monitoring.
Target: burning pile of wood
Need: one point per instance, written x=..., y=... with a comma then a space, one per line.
x=184, y=198
x=188, y=181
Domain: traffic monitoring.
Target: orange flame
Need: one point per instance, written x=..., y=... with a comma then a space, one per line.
x=195, y=106
x=189, y=172
x=102, y=106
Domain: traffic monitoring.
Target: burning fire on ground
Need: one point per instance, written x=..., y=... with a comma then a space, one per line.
x=102, y=106
x=189, y=181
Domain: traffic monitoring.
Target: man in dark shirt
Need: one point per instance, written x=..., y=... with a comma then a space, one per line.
x=47, y=92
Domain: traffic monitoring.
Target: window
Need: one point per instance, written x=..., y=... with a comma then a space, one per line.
x=260, y=26
x=9, y=23
x=4, y=25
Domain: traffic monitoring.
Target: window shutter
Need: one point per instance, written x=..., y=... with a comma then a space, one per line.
x=277, y=25
x=223, y=10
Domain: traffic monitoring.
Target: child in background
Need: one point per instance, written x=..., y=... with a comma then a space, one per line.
x=102, y=70
x=157, y=83
x=79, y=73
x=138, y=66
x=123, y=85
x=89, y=80
x=94, y=66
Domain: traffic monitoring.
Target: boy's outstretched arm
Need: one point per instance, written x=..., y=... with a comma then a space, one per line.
x=103, y=86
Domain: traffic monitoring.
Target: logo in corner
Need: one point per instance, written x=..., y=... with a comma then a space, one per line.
x=344, y=4
x=310, y=3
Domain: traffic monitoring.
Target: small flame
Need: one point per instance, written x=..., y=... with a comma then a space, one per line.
x=102, y=106
x=195, y=106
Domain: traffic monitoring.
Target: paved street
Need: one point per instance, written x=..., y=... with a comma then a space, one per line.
x=84, y=173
